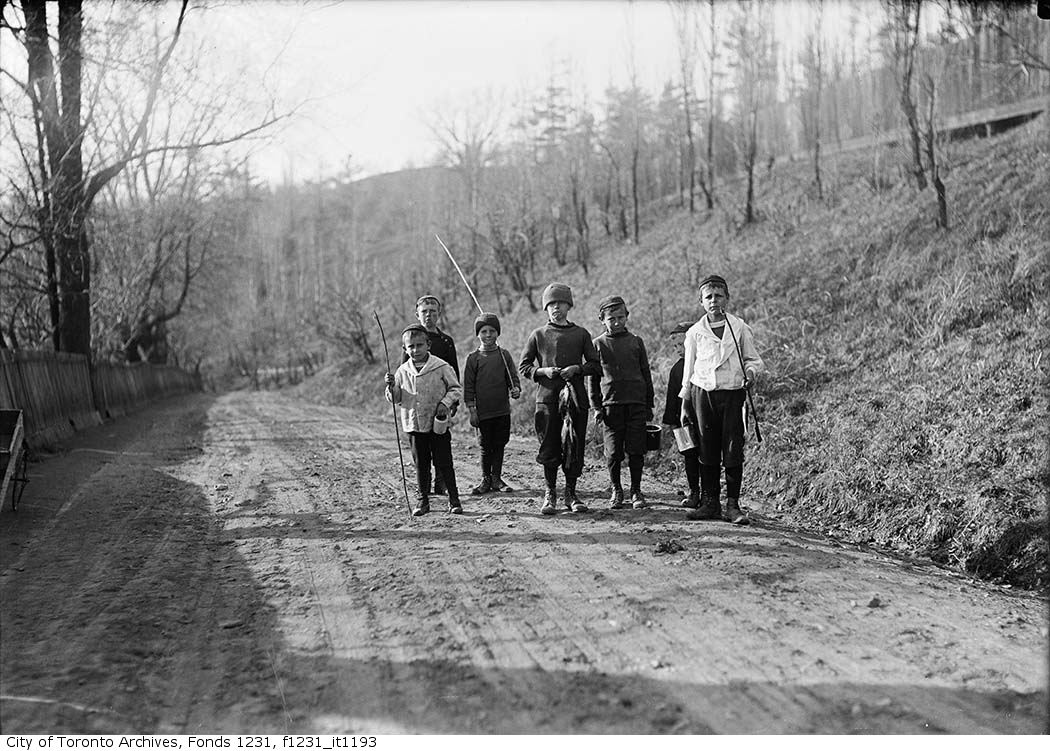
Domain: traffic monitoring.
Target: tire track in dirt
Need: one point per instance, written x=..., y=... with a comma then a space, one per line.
x=306, y=599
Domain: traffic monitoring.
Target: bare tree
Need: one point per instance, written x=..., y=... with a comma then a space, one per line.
x=66, y=186
x=903, y=38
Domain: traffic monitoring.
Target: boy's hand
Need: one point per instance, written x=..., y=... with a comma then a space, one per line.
x=750, y=379
x=570, y=371
x=389, y=378
x=599, y=416
x=684, y=418
x=441, y=412
x=515, y=392
x=548, y=372
x=473, y=417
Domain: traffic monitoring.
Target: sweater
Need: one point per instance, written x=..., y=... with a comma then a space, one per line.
x=488, y=378
x=625, y=376
x=419, y=393
x=559, y=346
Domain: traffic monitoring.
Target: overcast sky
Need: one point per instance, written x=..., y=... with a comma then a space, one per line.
x=372, y=71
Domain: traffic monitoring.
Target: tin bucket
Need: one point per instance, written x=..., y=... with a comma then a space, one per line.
x=440, y=425
x=652, y=437
x=684, y=438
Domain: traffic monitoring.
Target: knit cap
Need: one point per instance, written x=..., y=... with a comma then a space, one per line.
x=557, y=293
x=713, y=279
x=681, y=327
x=486, y=319
x=610, y=301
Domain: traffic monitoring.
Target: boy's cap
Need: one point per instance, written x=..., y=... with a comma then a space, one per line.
x=425, y=298
x=713, y=279
x=413, y=328
x=486, y=319
x=557, y=293
x=681, y=327
x=611, y=301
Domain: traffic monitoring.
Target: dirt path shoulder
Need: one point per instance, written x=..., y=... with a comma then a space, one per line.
x=246, y=563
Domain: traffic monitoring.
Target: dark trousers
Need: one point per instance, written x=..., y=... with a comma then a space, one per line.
x=720, y=429
x=493, y=435
x=623, y=433
x=548, y=432
x=432, y=447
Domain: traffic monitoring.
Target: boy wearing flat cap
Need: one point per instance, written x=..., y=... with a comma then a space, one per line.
x=715, y=384
x=489, y=378
x=557, y=357
x=622, y=398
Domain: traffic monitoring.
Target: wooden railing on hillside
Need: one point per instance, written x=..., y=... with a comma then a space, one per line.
x=986, y=72
x=59, y=393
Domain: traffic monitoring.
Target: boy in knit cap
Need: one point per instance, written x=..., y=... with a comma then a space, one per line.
x=715, y=384
x=489, y=378
x=428, y=312
x=673, y=410
x=557, y=357
x=426, y=387
x=622, y=398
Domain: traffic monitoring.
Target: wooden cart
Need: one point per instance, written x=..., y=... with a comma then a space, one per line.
x=13, y=459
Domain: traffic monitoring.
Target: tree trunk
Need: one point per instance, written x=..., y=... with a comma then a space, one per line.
x=63, y=133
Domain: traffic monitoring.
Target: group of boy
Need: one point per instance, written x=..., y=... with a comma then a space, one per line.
x=574, y=374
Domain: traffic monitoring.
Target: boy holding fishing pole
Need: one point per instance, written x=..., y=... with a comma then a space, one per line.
x=489, y=383
x=557, y=357
x=721, y=364
x=428, y=312
x=622, y=398
x=427, y=390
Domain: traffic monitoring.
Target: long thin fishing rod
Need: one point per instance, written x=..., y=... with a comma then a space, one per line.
x=393, y=408
x=750, y=400
x=506, y=367
x=461, y=276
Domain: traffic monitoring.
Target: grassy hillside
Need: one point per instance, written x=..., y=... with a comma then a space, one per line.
x=906, y=402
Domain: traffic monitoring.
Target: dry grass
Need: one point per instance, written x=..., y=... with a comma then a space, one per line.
x=906, y=403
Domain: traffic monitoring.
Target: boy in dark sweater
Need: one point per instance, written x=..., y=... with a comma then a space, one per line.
x=622, y=398
x=672, y=414
x=557, y=357
x=489, y=378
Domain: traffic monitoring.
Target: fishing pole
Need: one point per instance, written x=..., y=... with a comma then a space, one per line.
x=750, y=400
x=506, y=367
x=393, y=408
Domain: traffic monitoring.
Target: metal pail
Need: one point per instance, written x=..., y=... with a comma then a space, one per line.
x=684, y=438
x=653, y=435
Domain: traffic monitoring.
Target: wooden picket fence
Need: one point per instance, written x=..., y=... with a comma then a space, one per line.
x=60, y=393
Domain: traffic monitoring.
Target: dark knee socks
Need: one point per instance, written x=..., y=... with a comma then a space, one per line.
x=550, y=475
x=634, y=462
x=734, y=477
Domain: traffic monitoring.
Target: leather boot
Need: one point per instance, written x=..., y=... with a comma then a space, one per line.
x=572, y=501
x=422, y=506
x=734, y=514
x=497, y=483
x=485, y=486
x=709, y=508
x=693, y=500
x=454, y=506
x=550, y=501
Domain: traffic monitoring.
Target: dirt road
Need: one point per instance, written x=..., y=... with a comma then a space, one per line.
x=246, y=563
